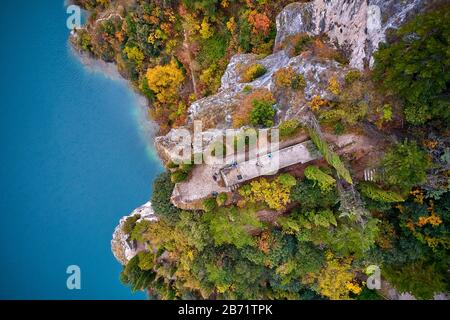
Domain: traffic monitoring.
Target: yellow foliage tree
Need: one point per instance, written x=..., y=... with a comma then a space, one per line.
x=276, y=194
x=165, y=81
x=231, y=25
x=334, y=86
x=134, y=54
x=206, y=31
x=336, y=279
x=317, y=102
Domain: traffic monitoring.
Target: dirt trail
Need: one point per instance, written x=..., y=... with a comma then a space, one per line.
x=187, y=47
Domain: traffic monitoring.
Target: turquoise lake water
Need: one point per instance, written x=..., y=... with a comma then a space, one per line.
x=75, y=158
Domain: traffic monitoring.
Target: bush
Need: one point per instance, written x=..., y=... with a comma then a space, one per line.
x=243, y=111
x=417, y=114
x=186, y=167
x=416, y=66
x=289, y=127
x=178, y=176
x=302, y=41
x=298, y=82
x=334, y=86
x=283, y=77
x=247, y=89
x=288, y=78
x=262, y=113
x=287, y=180
x=209, y=204
x=253, y=72
x=222, y=199
x=339, y=128
x=317, y=102
x=352, y=76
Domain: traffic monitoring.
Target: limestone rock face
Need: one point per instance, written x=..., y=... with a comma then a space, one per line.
x=357, y=26
x=121, y=245
x=221, y=105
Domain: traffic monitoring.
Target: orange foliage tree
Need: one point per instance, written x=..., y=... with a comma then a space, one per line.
x=260, y=22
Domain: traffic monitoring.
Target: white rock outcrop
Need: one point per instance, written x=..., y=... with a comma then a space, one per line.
x=316, y=72
x=356, y=26
x=121, y=245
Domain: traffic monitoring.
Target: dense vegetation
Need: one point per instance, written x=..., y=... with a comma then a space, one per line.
x=176, y=51
x=416, y=67
x=308, y=235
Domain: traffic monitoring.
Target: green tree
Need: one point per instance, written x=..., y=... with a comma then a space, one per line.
x=372, y=191
x=135, y=277
x=262, y=113
x=209, y=7
x=310, y=196
x=353, y=239
x=420, y=279
x=331, y=157
x=146, y=260
x=416, y=66
x=178, y=176
x=326, y=182
x=162, y=192
x=222, y=199
x=405, y=165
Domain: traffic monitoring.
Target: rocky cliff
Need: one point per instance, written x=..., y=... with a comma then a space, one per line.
x=122, y=246
x=355, y=27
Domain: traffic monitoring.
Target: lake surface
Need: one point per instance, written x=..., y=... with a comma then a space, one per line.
x=76, y=156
